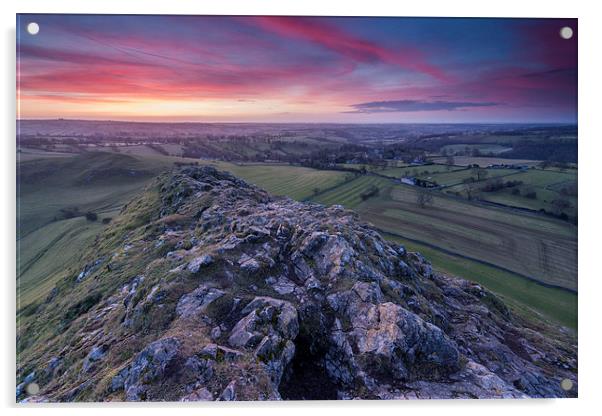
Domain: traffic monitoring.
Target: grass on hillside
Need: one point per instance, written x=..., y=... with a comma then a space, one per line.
x=48, y=240
x=527, y=296
x=26, y=154
x=46, y=254
x=98, y=182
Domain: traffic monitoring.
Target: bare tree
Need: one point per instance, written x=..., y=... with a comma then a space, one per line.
x=482, y=174
x=559, y=205
x=450, y=161
x=479, y=173
x=424, y=198
x=472, y=191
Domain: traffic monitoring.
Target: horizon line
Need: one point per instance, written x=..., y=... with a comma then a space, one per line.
x=307, y=122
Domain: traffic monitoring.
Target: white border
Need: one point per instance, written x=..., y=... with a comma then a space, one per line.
x=590, y=152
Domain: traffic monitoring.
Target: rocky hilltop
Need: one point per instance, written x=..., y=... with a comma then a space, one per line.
x=207, y=288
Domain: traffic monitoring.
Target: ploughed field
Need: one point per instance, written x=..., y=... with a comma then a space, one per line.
x=497, y=247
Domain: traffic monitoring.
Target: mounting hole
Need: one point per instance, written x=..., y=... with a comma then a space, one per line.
x=33, y=28
x=32, y=389
x=566, y=32
x=566, y=384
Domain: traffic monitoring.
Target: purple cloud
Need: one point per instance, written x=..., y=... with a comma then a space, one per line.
x=406, y=106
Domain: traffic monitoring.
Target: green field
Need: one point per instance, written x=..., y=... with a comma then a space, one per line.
x=93, y=181
x=348, y=194
x=293, y=181
x=545, y=183
x=443, y=175
x=390, y=164
x=458, y=176
x=527, y=296
x=544, y=178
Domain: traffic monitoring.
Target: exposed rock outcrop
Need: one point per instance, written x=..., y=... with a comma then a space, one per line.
x=211, y=289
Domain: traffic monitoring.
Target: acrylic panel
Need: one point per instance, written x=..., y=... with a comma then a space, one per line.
x=295, y=208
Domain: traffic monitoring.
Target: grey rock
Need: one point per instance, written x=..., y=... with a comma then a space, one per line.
x=197, y=301
x=216, y=332
x=174, y=256
x=284, y=286
x=368, y=292
x=199, y=395
x=53, y=364
x=89, y=269
x=148, y=366
x=243, y=334
x=229, y=393
x=248, y=264
x=220, y=353
x=96, y=354
x=199, y=262
x=302, y=269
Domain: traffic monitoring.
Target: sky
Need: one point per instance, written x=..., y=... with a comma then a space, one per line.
x=296, y=69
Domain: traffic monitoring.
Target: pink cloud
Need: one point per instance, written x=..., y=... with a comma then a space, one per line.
x=348, y=45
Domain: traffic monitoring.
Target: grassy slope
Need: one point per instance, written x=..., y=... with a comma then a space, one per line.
x=45, y=253
x=528, y=297
x=26, y=154
x=94, y=181
x=48, y=243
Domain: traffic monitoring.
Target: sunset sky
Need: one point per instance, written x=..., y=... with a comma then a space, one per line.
x=296, y=69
